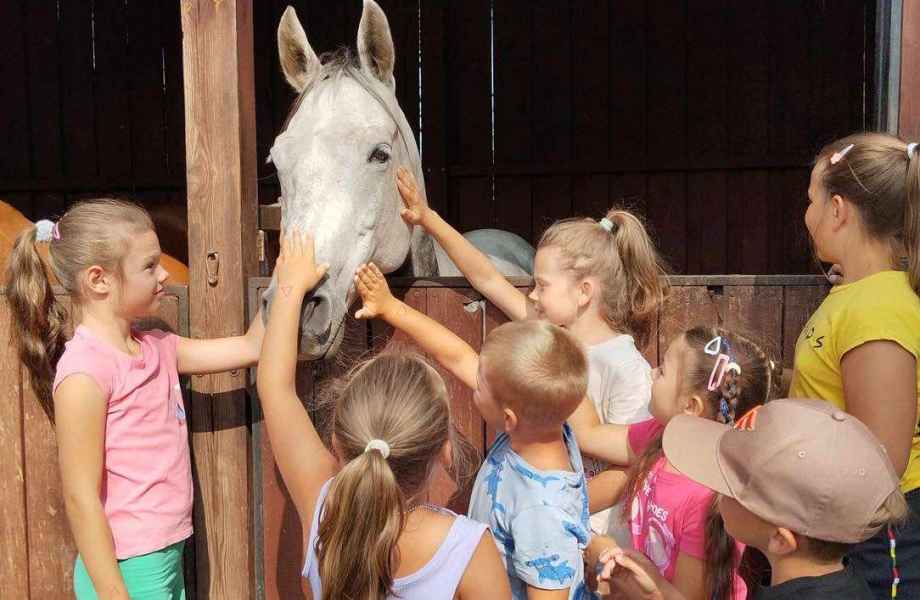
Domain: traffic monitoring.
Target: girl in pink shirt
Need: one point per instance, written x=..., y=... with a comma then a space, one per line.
x=113, y=393
x=706, y=372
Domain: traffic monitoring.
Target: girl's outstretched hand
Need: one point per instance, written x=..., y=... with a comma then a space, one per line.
x=415, y=211
x=375, y=293
x=296, y=270
x=630, y=573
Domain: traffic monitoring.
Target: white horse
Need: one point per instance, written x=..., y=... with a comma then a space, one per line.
x=336, y=159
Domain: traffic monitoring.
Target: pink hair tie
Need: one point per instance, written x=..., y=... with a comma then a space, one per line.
x=838, y=156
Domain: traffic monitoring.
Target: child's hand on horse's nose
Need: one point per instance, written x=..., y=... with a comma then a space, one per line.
x=374, y=291
x=413, y=212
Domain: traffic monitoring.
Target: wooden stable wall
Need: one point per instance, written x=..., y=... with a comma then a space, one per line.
x=772, y=309
x=704, y=114
x=37, y=555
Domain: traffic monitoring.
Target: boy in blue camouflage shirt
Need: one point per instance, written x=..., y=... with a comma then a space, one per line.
x=531, y=490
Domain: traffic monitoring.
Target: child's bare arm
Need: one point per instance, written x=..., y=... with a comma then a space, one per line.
x=79, y=408
x=221, y=354
x=606, y=441
x=304, y=461
x=447, y=348
x=605, y=489
x=474, y=265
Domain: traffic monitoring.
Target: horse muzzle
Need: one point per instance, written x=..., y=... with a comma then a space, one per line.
x=320, y=323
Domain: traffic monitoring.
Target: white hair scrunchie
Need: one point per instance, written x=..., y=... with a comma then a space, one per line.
x=380, y=446
x=910, y=149
x=606, y=224
x=44, y=230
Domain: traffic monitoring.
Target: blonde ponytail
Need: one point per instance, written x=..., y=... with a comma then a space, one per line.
x=619, y=252
x=92, y=232
x=363, y=516
x=643, y=272
x=401, y=400
x=40, y=319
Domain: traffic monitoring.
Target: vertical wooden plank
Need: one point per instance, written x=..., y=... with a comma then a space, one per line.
x=266, y=63
x=791, y=190
x=590, y=79
x=707, y=135
x=147, y=96
x=449, y=307
x=512, y=205
x=470, y=201
x=799, y=303
x=707, y=80
x=551, y=80
x=707, y=224
x=51, y=548
x=748, y=77
x=112, y=85
x=220, y=138
x=687, y=307
x=590, y=195
x=14, y=560
x=667, y=212
x=14, y=99
x=44, y=85
x=469, y=109
x=552, y=200
x=78, y=116
x=469, y=83
x=756, y=311
x=667, y=95
x=404, y=21
x=514, y=108
x=790, y=89
x=749, y=222
x=909, y=100
x=433, y=134
x=629, y=57
x=171, y=31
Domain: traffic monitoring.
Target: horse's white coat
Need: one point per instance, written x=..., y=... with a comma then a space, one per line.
x=336, y=162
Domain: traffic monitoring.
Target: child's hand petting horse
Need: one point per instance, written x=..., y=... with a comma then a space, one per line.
x=416, y=210
x=375, y=293
x=296, y=270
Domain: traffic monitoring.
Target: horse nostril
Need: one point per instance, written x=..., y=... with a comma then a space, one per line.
x=316, y=316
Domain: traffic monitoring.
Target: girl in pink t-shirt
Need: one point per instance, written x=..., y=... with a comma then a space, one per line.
x=706, y=372
x=113, y=393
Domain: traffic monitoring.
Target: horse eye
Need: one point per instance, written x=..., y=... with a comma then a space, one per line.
x=381, y=154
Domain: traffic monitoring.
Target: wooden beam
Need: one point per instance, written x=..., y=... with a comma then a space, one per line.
x=909, y=118
x=221, y=172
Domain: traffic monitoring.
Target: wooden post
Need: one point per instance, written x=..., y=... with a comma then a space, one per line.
x=909, y=101
x=221, y=171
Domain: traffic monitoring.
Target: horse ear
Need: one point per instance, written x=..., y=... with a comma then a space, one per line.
x=375, y=44
x=298, y=60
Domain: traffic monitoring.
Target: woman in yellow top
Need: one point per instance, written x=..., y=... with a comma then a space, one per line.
x=860, y=348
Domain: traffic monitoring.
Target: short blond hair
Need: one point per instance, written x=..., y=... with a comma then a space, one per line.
x=536, y=369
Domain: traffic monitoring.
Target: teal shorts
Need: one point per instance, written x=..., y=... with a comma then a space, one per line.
x=154, y=576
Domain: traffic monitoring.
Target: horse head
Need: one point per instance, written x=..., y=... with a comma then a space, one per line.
x=336, y=159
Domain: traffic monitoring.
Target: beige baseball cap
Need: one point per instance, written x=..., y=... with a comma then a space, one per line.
x=804, y=465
